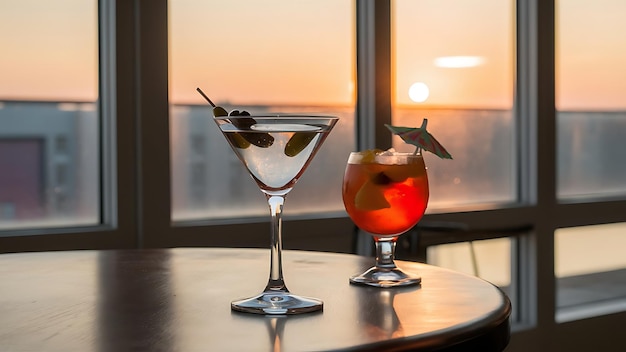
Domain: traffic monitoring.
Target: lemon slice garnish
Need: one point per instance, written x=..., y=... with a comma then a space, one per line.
x=370, y=197
x=369, y=155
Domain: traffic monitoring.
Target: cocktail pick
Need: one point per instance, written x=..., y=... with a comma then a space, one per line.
x=421, y=138
x=217, y=110
x=205, y=96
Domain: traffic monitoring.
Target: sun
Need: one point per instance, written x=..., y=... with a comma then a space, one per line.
x=418, y=92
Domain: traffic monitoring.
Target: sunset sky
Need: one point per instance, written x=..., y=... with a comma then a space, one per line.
x=302, y=52
x=49, y=49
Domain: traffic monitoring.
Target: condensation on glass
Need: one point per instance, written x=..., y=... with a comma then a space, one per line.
x=260, y=57
x=591, y=108
x=447, y=72
x=49, y=150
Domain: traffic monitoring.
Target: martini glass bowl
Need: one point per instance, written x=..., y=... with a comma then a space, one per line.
x=276, y=150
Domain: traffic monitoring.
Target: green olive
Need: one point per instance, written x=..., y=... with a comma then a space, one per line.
x=242, y=123
x=262, y=140
x=219, y=111
x=298, y=142
x=237, y=140
x=239, y=113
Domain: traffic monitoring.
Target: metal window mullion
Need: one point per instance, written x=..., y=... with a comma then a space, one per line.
x=523, y=249
x=152, y=118
x=545, y=151
x=536, y=119
x=116, y=101
x=373, y=73
x=107, y=122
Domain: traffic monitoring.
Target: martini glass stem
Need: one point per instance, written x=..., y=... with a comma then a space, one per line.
x=385, y=253
x=276, y=281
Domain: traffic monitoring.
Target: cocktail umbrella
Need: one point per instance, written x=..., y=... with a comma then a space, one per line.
x=419, y=137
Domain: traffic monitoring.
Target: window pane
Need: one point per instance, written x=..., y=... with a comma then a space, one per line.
x=590, y=269
x=448, y=72
x=590, y=87
x=487, y=259
x=49, y=149
x=270, y=56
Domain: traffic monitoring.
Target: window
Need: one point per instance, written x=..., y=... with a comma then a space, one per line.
x=307, y=68
x=488, y=259
x=590, y=267
x=448, y=72
x=49, y=134
x=590, y=99
x=591, y=124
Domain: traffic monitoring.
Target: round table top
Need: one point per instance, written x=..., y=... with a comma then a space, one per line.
x=179, y=300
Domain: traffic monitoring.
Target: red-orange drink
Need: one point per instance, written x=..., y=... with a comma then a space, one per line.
x=385, y=195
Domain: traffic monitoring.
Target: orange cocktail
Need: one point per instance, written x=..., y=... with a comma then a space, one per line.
x=385, y=195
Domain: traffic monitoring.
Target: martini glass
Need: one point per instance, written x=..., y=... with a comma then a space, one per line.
x=385, y=194
x=276, y=149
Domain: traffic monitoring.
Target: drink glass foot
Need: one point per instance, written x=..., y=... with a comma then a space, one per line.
x=277, y=303
x=381, y=277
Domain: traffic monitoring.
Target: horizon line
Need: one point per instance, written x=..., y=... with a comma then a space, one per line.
x=341, y=105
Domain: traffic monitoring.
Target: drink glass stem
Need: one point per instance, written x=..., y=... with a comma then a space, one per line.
x=276, y=281
x=385, y=249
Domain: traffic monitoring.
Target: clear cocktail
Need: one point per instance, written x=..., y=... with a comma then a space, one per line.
x=276, y=150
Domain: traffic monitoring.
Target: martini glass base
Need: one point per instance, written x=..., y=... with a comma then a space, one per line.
x=382, y=277
x=277, y=303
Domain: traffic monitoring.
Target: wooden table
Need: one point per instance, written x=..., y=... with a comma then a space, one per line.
x=179, y=300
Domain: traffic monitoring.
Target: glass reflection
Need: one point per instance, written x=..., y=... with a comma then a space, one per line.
x=134, y=309
x=378, y=313
x=276, y=328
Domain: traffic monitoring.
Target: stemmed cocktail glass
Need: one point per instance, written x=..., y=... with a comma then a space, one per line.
x=276, y=149
x=385, y=194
